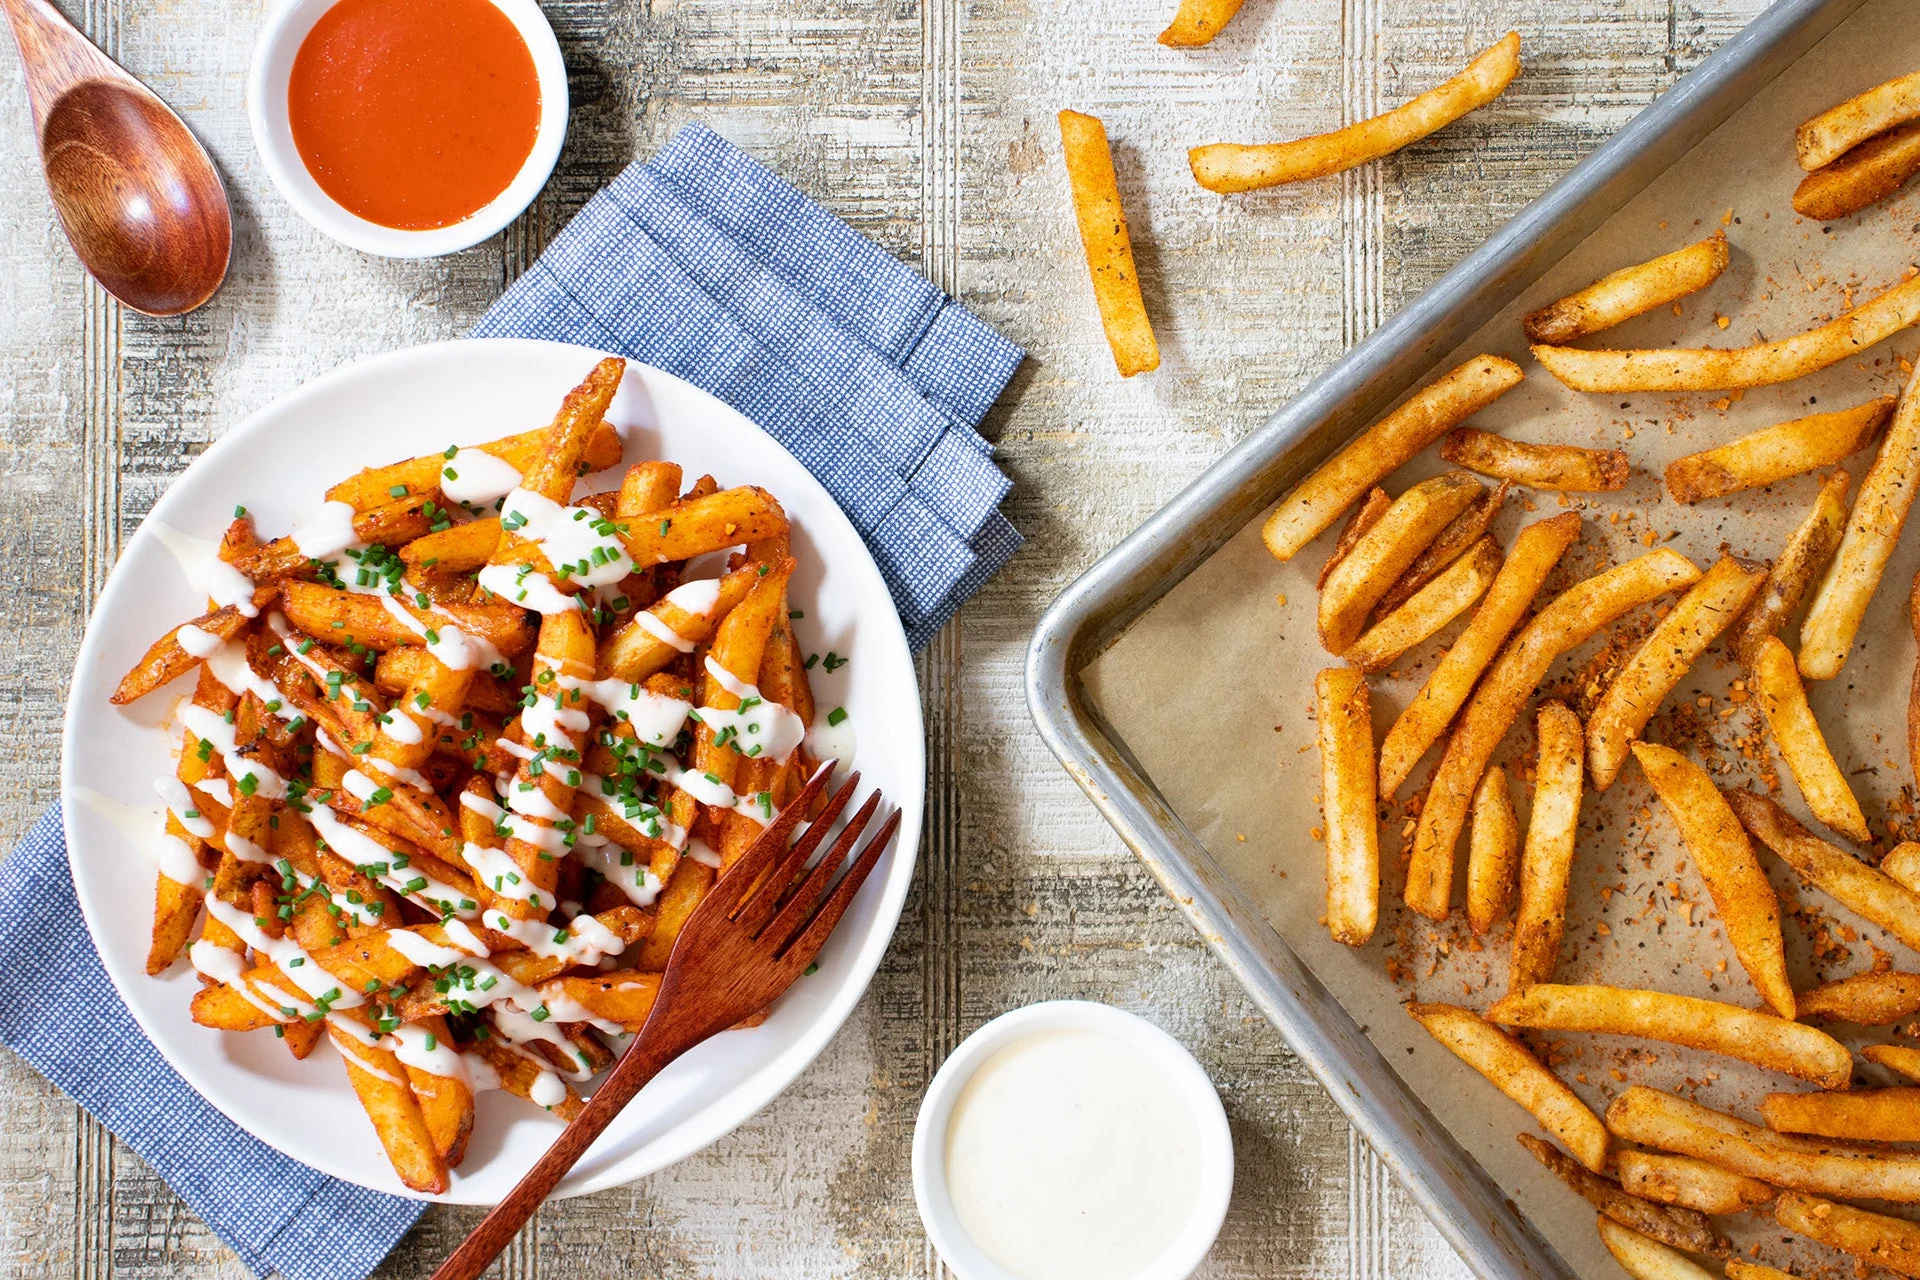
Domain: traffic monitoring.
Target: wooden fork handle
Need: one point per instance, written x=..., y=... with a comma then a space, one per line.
x=644, y=1060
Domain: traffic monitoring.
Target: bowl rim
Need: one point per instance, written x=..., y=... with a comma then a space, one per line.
x=268, y=73
x=930, y=1192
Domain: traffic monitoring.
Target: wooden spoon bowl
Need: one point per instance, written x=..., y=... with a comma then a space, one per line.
x=137, y=195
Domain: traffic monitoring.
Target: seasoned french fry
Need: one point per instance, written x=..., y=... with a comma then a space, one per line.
x=373, y=487
x=1430, y=609
x=1546, y=860
x=1535, y=552
x=1383, y=553
x=1198, y=21
x=1737, y=1270
x=462, y=548
x=687, y=614
x=445, y=1097
x=1801, y=561
x=1364, y=517
x=368, y=620
x=1629, y=292
x=1461, y=535
x=1645, y=1258
x=1379, y=451
x=1873, y=528
x=1347, y=796
x=1537, y=466
x=1668, y=653
x=625, y=996
x=1681, y=1228
x=169, y=657
x=1837, y=130
x=1877, y=999
x=1874, y=895
x=691, y=880
x=1875, y=1238
x=1902, y=866
x=1742, y=895
x=1790, y=723
x=1894, y=1057
x=1656, y=1119
x=1767, y=363
x=1505, y=1062
x=1864, y=176
x=1856, y=1115
x=697, y=526
x=1710, y=1025
x=1687, y=1182
x=1913, y=690
x=1107, y=244
x=1573, y=617
x=520, y=1074
x=1228, y=167
x=1493, y=852
x=1776, y=452
x=380, y=1081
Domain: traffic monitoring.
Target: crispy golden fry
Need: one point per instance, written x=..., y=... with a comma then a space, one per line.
x=518, y=1071
x=1461, y=535
x=168, y=659
x=1546, y=860
x=381, y=1083
x=739, y=647
x=225, y=1009
x=1629, y=292
x=696, y=526
x=1874, y=895
x=1894, y=1057
x=1493, y=852
x=1535, y=552
x=462, y=548
x=1573, y=618
x=1681, y=1228
x=1801, y=562
x=1874, y=1238
x=1430, y=609
x=1346, y=799
x=1518, y=1074
x=1716, y=1027
x=1864, y=176
x=446, y=1101
x=1742, y=895
x=410, y=516
x=1661, y=1120
x=1837, y=130
x=1364, y=517
x=1903, y=866
x=1667, y=654
x=351, y=617
x=1109, y=249
x=1857, y=1115
x=1198, y=21
x=1645, y=1258
x=1873, y=528
x=1228, y=167
x=1776, y=452
x=1689, y=1183
x=637, y=651
x=1383, y=553
x=691, y=880
x=1790, y=723
x=1877, y=999
x=1379, y=451
x=373, y=487
x=624, y=996
x=1737, y=1270
x=1680, y=369
x=1537, y=466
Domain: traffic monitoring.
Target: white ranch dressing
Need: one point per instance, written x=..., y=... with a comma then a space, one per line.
x=475, y=477
x=526, y=587
x=196, y=641
x=656, y=719
x=653, y=625
x=200, y=559
x=1072, y=1155
x=567, y=537
x=327, y=533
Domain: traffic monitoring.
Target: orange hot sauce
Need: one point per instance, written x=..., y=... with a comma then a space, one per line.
x=414, y=113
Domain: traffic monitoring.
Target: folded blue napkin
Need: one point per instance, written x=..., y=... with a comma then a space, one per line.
x=705, y=264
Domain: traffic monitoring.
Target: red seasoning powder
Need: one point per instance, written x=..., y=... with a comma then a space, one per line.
x=414, y=113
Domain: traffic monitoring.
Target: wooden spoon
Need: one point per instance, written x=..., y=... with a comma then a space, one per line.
x=136, y=193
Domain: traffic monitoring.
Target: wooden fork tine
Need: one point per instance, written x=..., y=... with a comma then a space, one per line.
x=765, y=898
x=800, y=903
x=804, y=948
x=744, y=874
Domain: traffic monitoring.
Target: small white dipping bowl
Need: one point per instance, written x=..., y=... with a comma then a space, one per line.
x=286, y=27
x=930, y=1191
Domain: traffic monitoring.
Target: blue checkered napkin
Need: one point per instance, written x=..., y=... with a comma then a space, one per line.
x=60, y=1013
x=705, y=264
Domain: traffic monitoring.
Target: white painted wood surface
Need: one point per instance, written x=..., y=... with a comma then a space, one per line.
x=929, y=125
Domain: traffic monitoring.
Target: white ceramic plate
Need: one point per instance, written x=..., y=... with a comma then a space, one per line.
x=277, y=463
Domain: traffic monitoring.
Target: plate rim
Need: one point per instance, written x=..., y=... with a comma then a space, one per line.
x=866, y=961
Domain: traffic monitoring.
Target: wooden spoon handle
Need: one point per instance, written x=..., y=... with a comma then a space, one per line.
x=643, y=1060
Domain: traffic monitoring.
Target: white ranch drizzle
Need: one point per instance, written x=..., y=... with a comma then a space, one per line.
x=197, y=642
x=697, y=597
x=496, y=869
x=703, y=853
x=200, y=559
x=457, y=650
x=344, y=1042
x=328, y=533
x=565, y=1008
x=421, y=1049
x=577, y=540
x=517, y=1029
x=476, y=477
x=399, y=875
x=215, y=789
x=179, y=802
x=656, y=718
x=621, y=870
x=527, y=587
x=287, y=956
x=214, y=729
x=229, y=969
x=487, y=982
x=652, y=624
x=551, y=839
x=582, y=940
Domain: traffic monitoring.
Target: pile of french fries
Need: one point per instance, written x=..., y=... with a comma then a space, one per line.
x=1658, y=1168
x=461, y=757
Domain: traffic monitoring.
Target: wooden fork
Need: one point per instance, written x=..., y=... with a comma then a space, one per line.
x=758, y=929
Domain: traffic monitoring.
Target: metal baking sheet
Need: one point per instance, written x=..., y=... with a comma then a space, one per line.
x=1175, y=678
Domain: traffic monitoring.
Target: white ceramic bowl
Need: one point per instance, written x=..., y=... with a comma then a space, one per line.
x=286, y=26
x=949, y=1236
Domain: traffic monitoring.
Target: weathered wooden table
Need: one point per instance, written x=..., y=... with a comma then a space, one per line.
x=928, y=124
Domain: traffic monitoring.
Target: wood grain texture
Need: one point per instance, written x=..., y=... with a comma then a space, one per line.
x=924, y=123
